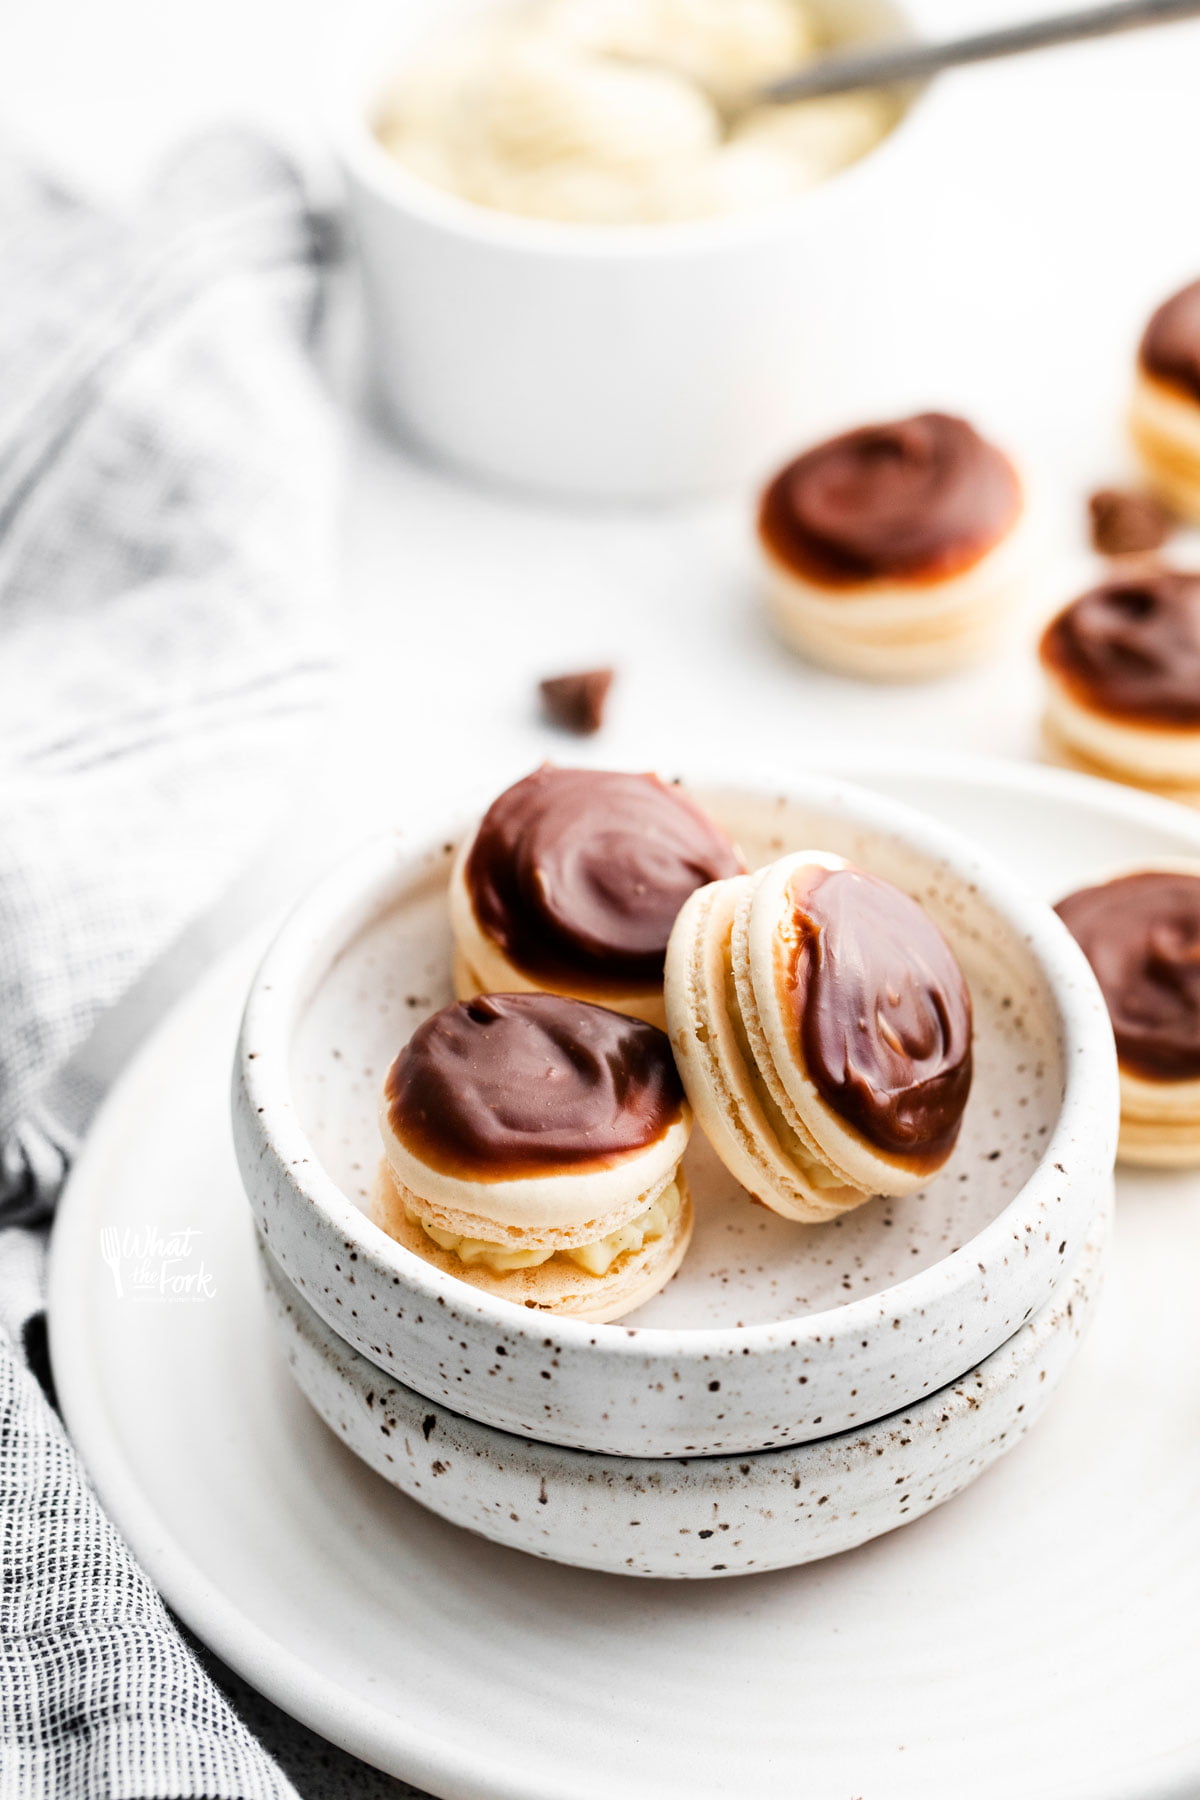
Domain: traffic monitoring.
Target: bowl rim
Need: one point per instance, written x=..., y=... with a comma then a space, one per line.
x=355, y=892
x=352, y=99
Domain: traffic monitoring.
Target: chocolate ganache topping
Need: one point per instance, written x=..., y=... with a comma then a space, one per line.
x=1132, y=648
x=513, y=1085
x=883, y=1012
x=578, y=874
x=1170, y=349
x=919, y=500
x=1141, y=934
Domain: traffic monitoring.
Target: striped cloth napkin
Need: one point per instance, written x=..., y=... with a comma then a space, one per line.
x=166, y=497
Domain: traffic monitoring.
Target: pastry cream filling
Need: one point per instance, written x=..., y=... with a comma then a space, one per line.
x=614, y=111
x=597, y=1258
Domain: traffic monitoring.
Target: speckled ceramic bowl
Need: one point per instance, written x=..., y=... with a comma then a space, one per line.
x=693, y=1517
x=772, y=1333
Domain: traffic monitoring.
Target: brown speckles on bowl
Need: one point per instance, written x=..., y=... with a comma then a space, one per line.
x=771, y=1510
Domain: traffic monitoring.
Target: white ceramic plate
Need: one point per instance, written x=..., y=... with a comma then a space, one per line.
x=1039, y=1637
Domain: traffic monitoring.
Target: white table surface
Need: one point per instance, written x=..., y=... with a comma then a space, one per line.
x=1066, y=183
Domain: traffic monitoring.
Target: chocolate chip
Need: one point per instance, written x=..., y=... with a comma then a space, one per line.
x=1128, y=524
x=576, y=702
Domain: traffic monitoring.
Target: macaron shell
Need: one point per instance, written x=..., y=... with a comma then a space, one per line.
x=1064, y=755
x=1149, y=753
x=1159, y=1145
x=557, y=1286
x=480, y=961
x=466, y=982
x=731, y=1111
x=1160, y=1120
x=766, y=1010
x=903, y=631
x=1165, y=427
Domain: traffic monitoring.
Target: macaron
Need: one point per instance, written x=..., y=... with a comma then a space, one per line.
x=897, y=551
x=1141, y=934
x=531, y=1147
x=1122, y=673
x=1164, y=414
x=823, y=1030
x=571, y=883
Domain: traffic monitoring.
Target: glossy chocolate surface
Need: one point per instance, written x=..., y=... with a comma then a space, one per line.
x=512, y=1085
x=1141, y=934
x=919, y=500
x=1170, y=350
x=578, y=874
x=882, y=1011
x=1132, y=648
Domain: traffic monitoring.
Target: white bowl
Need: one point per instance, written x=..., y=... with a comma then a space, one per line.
x=698, y=1517
x=772, y=1333
x=638, y=361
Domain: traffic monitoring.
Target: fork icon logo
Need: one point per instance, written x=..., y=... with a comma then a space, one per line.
x=110, y=1250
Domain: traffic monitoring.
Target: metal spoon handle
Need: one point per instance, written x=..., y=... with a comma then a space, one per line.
x=877, y=65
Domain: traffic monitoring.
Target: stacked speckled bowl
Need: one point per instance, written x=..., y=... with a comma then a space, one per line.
x=796, y=1390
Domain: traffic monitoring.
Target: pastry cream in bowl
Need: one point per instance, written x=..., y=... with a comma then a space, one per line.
x=618, y=112
x=590, y=267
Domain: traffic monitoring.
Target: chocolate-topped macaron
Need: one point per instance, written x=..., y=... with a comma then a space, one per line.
x=1122, y=670
x=823, y=1029
x=571, y=884
x=1141, y=934
x=1164, y=417
x=895, y=551
x=532, y=1147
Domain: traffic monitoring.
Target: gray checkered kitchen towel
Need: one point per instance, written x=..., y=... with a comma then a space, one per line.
x=166, y=492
